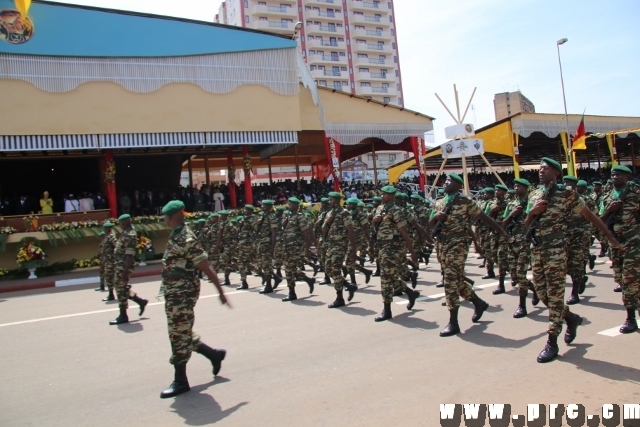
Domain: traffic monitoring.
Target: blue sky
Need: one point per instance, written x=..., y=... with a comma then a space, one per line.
x=497, y=46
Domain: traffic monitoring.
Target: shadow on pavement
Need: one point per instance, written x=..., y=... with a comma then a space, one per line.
x=612, y=371
x=407, y=320
x=199, y=409
x=356, y=311
x=132, y=327
x=586, y=300
x=306, y=301
x=477, y=334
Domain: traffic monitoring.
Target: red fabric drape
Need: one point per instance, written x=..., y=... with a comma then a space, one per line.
x=248, y=192
x=418, y=147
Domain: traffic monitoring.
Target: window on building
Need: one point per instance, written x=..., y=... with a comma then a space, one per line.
x=345, y=83
x=359, y=41
x=312, y=67
x=398, y=87
x=359, y=27
x=386, y=100
x=358, y=13
x=393, y=32
x=365, y=84
x=395, y=59
x=342, y=54
x=389, y=5
x=337, y=85
x=393, y=45
x=311, y=37
x=343, y=68
x=390, y=18
x=337, y=25
x=363, y=55
x=341, y=39
x=246, y=3
x=262, y=3
x=322, y=83
x=307, y=8
x=363, y=70
x=309, y=23
x=392, y=157
x=400, y=101
x=263, y=18
x=397, y=73
x=246, y=19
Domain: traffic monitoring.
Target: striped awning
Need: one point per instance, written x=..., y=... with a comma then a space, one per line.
x=143, y=140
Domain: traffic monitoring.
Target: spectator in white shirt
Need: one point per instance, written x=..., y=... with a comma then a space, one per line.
x=86, y=203
x=71, y=204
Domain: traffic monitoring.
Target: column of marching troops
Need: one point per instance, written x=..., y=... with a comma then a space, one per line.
x=548, y=230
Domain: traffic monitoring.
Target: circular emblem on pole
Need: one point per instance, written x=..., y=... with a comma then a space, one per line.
x=14, y=27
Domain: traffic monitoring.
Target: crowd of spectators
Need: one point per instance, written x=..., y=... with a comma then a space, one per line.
x=214, y=198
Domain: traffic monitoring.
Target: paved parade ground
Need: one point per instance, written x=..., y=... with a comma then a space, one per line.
x=301, y=363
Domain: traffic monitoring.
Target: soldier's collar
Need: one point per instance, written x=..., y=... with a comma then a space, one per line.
x=177, y=229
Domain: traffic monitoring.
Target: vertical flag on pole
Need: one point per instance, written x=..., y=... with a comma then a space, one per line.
x=580, y=138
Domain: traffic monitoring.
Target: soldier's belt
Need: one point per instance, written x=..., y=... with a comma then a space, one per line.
x=177, y=274
x=548, y=238
x=451, y=236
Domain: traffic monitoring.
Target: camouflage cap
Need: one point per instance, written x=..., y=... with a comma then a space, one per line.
x=457, y=178
x=550, y=162
x=172, y=207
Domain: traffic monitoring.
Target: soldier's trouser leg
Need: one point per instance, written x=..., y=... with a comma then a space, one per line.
x=549, y=267
x=489, y=256
x=390, y=270
x=109, y=277
x=291, y=268
x=402, y=258
x=351, y=265
x=631, y=275
x=575, y=254
x=321, y=252
x=502, y=254
x=522, y=259
x=244, y=258
x=122, y=291
x=264, y=258
x=454, y=255
x=335, y=256
x=179, y=307
x=512, y=258
x=399, y=285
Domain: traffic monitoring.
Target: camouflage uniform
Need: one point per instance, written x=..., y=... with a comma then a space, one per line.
x=549, y=257
x=391, y=249
x=125, y=245
x=246, y=241
x=498, y=248
x=264, y=226
x=337, y=241
x=320, y=243
x=227, y=235
x=278, y=255
x=358, y=221
x=107, y=248
x=181, y=289
x=294, y=227
x=212, y=242
x=519, y=252
x=487, y=240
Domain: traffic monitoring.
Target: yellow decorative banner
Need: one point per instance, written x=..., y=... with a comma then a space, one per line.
x=23, y=7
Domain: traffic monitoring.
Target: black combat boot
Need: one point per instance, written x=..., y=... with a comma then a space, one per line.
x=574, y=298
x=339, y=302
x=310, y=281
x=603, y=250
x=100, y=289
x=412, y=295
x=141, y=302
x=110, y=296
x=490, y=274
x=398, y=293
x=267, y=288
x=352, y=276
x=573, y=321
x=386, y=313
x=618, y=288
x=180, y=382
x=452, y=327
x=326, y=281
x=500, y=289
x=522, y=307
x=122, y=318
x=243, y=286
x=215, y=356
x=550, y=350
x=480, y=307
x=414, y=279
x=361, y=260
x=345, y=272
x=440, y=284
x=351, y=289
x=367, y=275
x=592, y=262
x=278, y=272
x=483, y=263
x=630, y=325
x=291, y=297
x=277, y=279
x=377, y=272
x=226, y=279
x=583, y=285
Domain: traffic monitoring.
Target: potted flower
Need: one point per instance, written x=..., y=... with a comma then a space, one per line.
x=144, y=249
x=30, y=256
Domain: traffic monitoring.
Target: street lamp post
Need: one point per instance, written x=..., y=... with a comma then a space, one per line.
x=566, y=115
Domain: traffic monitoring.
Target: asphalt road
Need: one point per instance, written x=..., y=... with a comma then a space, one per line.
x=301, y=363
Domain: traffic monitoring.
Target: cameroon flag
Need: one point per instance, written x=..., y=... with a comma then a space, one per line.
x=580, y=138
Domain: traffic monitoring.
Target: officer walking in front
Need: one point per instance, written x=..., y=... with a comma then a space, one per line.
x=182, y=259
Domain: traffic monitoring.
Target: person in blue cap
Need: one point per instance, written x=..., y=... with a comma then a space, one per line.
x=620, y=207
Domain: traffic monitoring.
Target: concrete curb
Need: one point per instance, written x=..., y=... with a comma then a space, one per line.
x=72, y=282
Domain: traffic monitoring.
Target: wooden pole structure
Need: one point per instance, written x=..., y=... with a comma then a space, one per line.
x=270, y=175
x=598, y=147
x=467, y=190
x=206, y=170
x=492, y=170
x=190, y=172
x=375, y=164
x=435, y=181
x=297, y=165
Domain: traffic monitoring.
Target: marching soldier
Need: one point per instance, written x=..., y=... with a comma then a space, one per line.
x=519, y=254
x=246, y=238
x=278, y=255
x=339, y=238
x=124, y=253
x=266, y=229
x=393, y=241
x=497, y=246
x=107, y=259
x=296, y=236
x=577, y=239
x=227, y=235
x=181, y=288
x=320, y=243
x=377, y=207
x=487, y=240
x=546, y=222
x=620, y=211
x=212, y=241
x=451, y=223
x=360, y=228
x=597, y=196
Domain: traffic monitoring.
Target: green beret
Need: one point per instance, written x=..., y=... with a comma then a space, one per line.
x=287, y=212
x=280, y=208
x=294, y=200
x=416, y=196
x=403, y=196
x=201, y=221
x=353, y=201
x=621, y=168
x=224, y=212
x=457, y=178
x=324, y=200
x=239, y=218
x=522, y=181
x=570, y=178
x=250, y=207
x=267, y=202
x=107, y=224
x=335, y=195
x=377, y=199
x=550, y=162
x=609, y=181
x=102, y=233
x=490, y=190
x=388, y=189
x=582, y=183
x=215, y=215
x=502, y=187
x=590, y=188
x=441, y=191
x=361, y=204
x=172, y=207
x=368, y=205
x=123, y=217
x=511, y=191
x=409, y=205
x=482, y=191
x=597, y=183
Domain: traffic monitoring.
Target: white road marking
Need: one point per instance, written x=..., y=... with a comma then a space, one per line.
x=613, y=332
x=73, y=282
x=86, y=313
